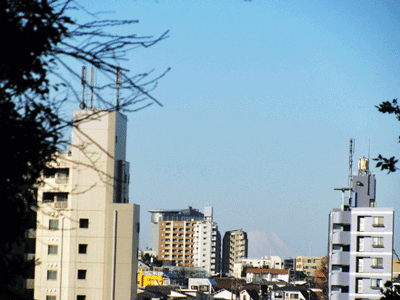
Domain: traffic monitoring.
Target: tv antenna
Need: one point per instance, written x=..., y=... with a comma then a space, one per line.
x=83, y=82
x=91, y=86
x=351, y=152
x=118, y=84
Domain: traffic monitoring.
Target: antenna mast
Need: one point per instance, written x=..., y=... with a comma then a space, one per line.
x=118, y=84
x=91, y=87
x=351, y=152
x=83, y=81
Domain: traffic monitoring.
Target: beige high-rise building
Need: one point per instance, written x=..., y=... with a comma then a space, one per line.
x=187, y=238
x=87, y=232
x=176, y=242
x=234, y=249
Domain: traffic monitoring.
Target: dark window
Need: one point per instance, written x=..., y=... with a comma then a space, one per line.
x=49, y=173
x=81, y=274
x=82, y=248
x=51, y=275
x=52, y=249
x=48, y=197
x=53, y=224
x=81, y=297
x=83, y=223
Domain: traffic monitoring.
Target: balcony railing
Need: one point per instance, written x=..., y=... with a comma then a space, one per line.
x=61, y=204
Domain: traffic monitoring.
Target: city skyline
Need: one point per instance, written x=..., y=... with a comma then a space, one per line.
x=259, y=106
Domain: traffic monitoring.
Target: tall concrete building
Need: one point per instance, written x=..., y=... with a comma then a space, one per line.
x=87, y=233
x=207, y=244
x=360, y=241
x=186, y=238
x=234, y=249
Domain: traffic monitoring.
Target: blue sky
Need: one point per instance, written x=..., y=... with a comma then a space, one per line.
x=259, y=106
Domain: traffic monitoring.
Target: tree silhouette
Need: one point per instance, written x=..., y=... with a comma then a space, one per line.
x=384, y=163
x=390, y=291
x=39, y=41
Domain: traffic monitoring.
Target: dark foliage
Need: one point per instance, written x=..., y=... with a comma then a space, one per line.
x=390, y=291
x=384, y=163
x=29, y=142
x=32, y=31
x=38, y=38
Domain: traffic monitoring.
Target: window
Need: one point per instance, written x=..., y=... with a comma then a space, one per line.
x=49, y=173
x=82, y=248
x=294, y=296
x=360, y=244
x=360, y=264
x=82, y=274
x=51, y=275
x=81, y=297
x=377, y=242
x=52, y=249
x=361, y=223
x=377, y=263
x=48, y=297
x=53, y=224
x=83, y=223
x=278, y=294
x=376, y=283
x=377, y=222
x=360, y=285
x=63, y=175
x=203, y=288
x=51, y=197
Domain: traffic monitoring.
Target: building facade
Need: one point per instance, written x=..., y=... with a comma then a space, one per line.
x=234, y=249
x=266, y=262
x=187, y=238
x=308, y=264
x=87, y=233
x=360, y=241
x=207, y=244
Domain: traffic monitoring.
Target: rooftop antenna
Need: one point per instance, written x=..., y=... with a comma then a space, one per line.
x=83, y=81
x=118, y=84
x=344, y=189
x=351, y=152
x=91, y=87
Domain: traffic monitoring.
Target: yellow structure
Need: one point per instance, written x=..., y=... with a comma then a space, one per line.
x=150, y=278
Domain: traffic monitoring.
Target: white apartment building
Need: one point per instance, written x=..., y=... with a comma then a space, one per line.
x=87, y=233
x=360, y=242
x=266, y=262
x=207, y=245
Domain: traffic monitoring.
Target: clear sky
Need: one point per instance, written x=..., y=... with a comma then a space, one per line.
x=259, y=106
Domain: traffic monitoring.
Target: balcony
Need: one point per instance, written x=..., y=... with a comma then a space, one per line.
x=340, y=296
x=61, y=204
x=340, y=278
x=341, y=237
x=341, y=217
x=59, y=175
x=341, y=258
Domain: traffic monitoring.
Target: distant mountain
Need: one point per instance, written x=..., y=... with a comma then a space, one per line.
x=262, y=243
